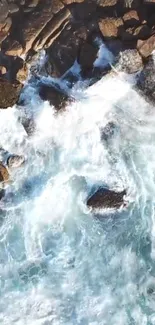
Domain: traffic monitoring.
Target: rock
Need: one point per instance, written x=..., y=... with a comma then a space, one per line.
x=64, y=51
x=51, y=28
x=37, y=20
x=107, y=3
x=105, y=198
x=108, y=131
x=4, y=175
x=146, y=81
x=15, y=161
x=4, y=29
x=12, y=47
x=111, y=27
x=2, y=70
x=146, y=47
x=131, y=18
x=3, y=10
x=84, y=11
x=56, y=96
x=149, y=2
x=130, y=61
x=68, y=2
x=87, y=56
x=22, y=73
x=9, y=93
x=133, y=4
x=132, y=33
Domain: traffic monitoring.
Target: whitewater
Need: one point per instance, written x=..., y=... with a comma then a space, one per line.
x=60, y=264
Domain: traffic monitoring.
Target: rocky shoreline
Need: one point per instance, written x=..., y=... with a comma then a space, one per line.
x=69, y=31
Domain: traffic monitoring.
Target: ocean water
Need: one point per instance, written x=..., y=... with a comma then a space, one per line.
x=60, y=264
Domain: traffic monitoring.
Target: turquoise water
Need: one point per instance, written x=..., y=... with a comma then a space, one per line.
x=59, y=264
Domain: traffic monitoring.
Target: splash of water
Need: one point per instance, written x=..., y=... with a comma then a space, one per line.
x=59, y=264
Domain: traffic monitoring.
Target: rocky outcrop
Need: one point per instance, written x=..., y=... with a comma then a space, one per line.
x=66, y=30
x=105, y=198
x=146, y=81
x=9, y=93
x=56, y=96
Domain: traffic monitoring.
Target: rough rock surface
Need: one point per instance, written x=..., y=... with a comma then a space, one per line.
x=56, y=96
x=105, y=198
x=130, y=61
x=4, y=175
x=9, y=93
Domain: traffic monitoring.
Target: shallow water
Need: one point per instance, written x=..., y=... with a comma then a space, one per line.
x=58, y=263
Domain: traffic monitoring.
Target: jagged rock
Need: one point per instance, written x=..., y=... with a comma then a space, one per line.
x=9, y=93
x=132, y=33
x=146, y=47
x=133, y=4
x=130, y=61
x=56, y=96
x=13, y=8
x=64, y=51
x=4, y=175
x=105, y=198
x=131, y=18
x=55, y=24
x=22, y=73
x=4, y=28
x=111, y=27
x=146, y=81
x=37, y=20
x=15, y=161
x=12, y=47
x=107, y=3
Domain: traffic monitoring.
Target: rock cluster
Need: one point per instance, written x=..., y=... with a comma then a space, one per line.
x=66, y=30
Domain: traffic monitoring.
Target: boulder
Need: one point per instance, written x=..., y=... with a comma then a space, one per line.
x=111, y=27
x=15, y=161
x=105, y=198
x=4, y=175
x=55, y=95
x=146, y=81
x=146, y=47
x=130, y=61
x=9, y=93
x=64, y=50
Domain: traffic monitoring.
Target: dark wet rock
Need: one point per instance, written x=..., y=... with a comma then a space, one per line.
x=3, y=10
x=105, y=198
x=65, y=49
x=87, y=56
x=55, y=95
x=146, y=81
x=134, y=33
x=107, y=3
x=9, y=93
x=15, y=161
x=4, y=175
x=146, y=47
x=130, y=61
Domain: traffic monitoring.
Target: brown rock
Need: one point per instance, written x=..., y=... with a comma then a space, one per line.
x=22, y=73
x=51, y=29
x=15, y=161
x=9, y=93
x=37, y=20
x=131, y=18
x=4, y=175
x=13, y=47
x=111, y=27
x=146, y=47
x=107, y=3
x=2, y=70
x=105, y=198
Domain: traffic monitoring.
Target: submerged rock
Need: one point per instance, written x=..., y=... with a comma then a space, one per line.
x=130, y=61
x=105, y=198
x=55, y=95
x=15, y=161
